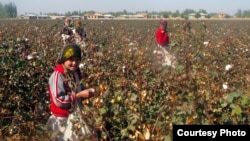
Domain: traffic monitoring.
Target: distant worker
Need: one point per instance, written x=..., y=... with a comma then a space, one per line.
x=186, y=26
x=80, y=36
x=67, y=32
x=204, y=26
x=163, y=55
x=161, y=35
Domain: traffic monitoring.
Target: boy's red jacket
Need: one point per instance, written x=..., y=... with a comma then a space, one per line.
x=60, y=93
x=162, y=37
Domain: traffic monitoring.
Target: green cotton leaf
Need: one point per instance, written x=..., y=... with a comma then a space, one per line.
x=34, y=64
x=161, y=123
x=178, y=119
x=124, y=131
x=10, y=50
x=103, y=110
x=236, y=111
x=245, y=101
x=21, y=64
x=133, y=97
x=167, y=138
x=230, y=97
x=131, y=127
x=134, y=121
x=180, y=68
x=207, y=95
x=224, y=104
x=99, y=119
x=147, y=71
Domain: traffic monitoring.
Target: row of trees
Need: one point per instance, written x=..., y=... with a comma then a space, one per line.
x=165, y=14
x=243, y=14
x=8, y=10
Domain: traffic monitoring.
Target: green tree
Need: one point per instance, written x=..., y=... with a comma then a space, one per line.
x=176, y=14
x=246, y=14
x=2, y=11
x=165, y=14
x=197, y=15
x=202, y=11
x=186, y=12
x=8, y=10
x=239, y=14
x=11, y=10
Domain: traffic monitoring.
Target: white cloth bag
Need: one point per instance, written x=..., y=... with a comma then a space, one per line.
x=71, y=128
x=167, y=58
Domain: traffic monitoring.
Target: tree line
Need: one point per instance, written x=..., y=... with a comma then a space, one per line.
x=166, y=14
x=8, y=10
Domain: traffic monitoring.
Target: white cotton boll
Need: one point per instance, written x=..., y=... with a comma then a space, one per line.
x=131, y=44
x=133, y=49
x=44, y=52
x=225, y=86
x=81, y=66
x=29, y=57
x=228, y=67
x=65, y=37
x=205, y=43
x=123, y=68
x=74, y=31
x=101, y=101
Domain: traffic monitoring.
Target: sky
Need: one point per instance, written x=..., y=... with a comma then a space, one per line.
x=62, y=6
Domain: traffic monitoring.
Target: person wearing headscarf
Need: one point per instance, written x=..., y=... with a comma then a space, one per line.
x=65, y=90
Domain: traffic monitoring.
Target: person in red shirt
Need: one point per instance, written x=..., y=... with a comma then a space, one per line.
x=162, y=52
x=161, y=35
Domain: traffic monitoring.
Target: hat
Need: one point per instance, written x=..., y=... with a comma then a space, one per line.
x=69, y=51
x=163, y=22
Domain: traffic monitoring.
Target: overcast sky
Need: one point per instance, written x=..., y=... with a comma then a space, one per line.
x=61, y=6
